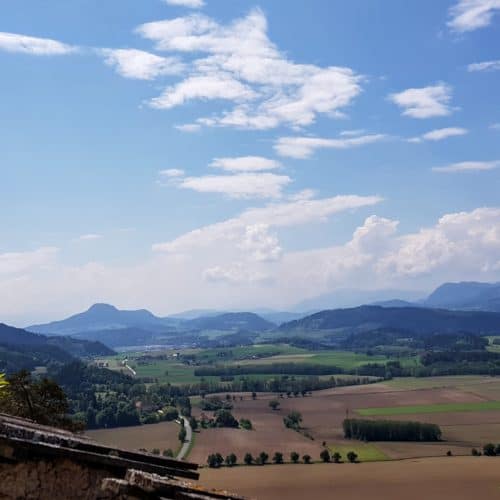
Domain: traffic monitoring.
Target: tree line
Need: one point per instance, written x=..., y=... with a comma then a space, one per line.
x=390, y=430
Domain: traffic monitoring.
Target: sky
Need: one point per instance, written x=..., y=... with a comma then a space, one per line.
x=233, y=154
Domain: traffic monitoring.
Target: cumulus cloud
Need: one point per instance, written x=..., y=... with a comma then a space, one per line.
x=203, y=87
x=245, y=164
x=191, y=4
x=425, y=102
x=243, y=65
x=13, y=42
x=440, y=134
x=141, y=65
x=304, y=147
x=243, y=185
x=468, y=166
x=485, y=66
x=470, y=15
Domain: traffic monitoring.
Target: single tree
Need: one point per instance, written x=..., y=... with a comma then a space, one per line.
x=325, y=456
x=155, y=451
x=489, y=450
x=263, y=458
x=231, y=460
x=337, y=457
x=182, y=435
x=278, y=458
x=254, y=395
x=248, y=459
x=352, y=457
x=215, y=460
x=475, y=453
x=193, y=423
x=294, y=457
x=307, y=459
x=168, y=453
x=274, y=404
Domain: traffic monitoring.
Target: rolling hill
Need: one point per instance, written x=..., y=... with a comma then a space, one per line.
x=230, y=321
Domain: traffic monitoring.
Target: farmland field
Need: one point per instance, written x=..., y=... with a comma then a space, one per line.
x=431, y=408
x=431, y=478
x=162, y=436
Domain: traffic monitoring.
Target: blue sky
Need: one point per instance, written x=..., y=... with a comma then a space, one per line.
x=236, y=154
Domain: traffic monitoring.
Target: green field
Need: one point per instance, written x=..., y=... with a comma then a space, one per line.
x=458, y=381
x=366, y=452
x=430, y=408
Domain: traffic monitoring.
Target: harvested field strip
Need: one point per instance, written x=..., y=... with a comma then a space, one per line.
x=430, y=408
x=365, y=452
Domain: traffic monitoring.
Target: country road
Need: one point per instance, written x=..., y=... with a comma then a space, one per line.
x=187, y=442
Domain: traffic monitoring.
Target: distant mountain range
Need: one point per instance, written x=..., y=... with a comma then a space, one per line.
x=115, y=327
x=418, y=320
x=22, y=349
x=463, y=296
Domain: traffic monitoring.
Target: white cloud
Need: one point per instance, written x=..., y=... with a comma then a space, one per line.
x=191, y=4
x=495, y=126
x=204, y=87
x=13, y=42
x=89, y=237
x=241, y=64
x=424, y=102
x=470, y=15
x=188, y=127
x=468, y=166
x=172, y=172
x=277, y=215
x=440, y=134
x=485, y=66
x=239, y=264
x=352, y=133
x=141, y=65
x=22, y=262
x=304, y=147
x=260, y=244
x=244, y=185
x=245, y=164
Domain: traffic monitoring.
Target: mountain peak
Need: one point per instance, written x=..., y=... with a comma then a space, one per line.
x=102, y=307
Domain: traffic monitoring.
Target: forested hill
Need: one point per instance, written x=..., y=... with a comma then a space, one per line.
x=415, y=319
x=231, y=321
x=20, y=349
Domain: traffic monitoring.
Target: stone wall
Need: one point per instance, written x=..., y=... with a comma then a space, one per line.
x=58, y=479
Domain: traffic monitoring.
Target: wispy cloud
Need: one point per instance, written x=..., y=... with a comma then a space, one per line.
x=188, y=127
x=304, y=147
x=141, y=65
x=485, y=66
x=13, y=42
x=470, y=15
x=440, y=134
x=495, y=126
x=89, y=237
x=244, y=185
x=172, y=172
x=468, y=166
x=425, y=102
x=245, y=164
x=20, y=262
x=191, y=4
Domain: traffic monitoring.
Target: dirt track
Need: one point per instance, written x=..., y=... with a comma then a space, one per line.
x=430, y=479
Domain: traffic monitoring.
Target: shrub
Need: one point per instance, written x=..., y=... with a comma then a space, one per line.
x=248, y=459
x=325, y=456
x=475, y=453
x=337, y=457
x=293, y=420
x=168, y=453
x=246, y=424
x=352, y=457
x=274, y=404
x=307, y=459
x=182, y=435
x=294, y=457
x=155, y=451
x=224, y=418
x=278, y=458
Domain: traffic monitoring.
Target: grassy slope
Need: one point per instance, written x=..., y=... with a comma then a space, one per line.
x=430, y=408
